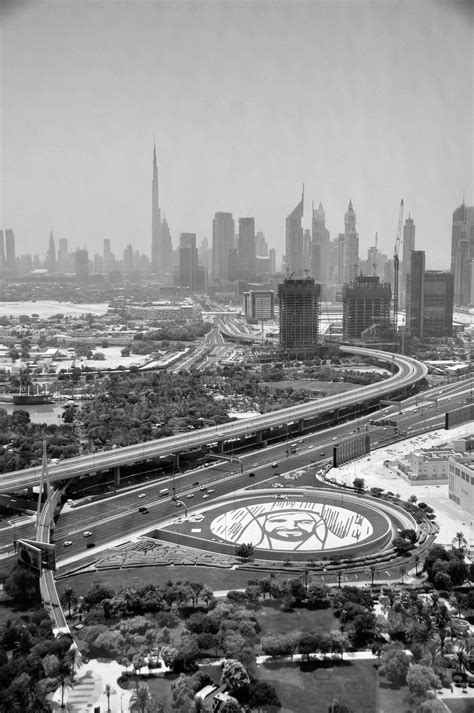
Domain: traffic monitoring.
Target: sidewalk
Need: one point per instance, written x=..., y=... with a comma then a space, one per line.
x=88, y=690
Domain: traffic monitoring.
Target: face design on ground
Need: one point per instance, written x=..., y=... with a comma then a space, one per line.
x=292, y=525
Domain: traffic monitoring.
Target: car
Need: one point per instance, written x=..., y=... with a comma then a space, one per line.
x=203, y=487
x=211, y=490
x=334, y=438
x=322, y=454
x=179, y=504
x=67, y=543
x=205, y=496
x=274, y=465
x=196, y=482
x=90, y=544
x=142, y=495
x=143, y=509
x=191, y=495
x=87, y=533
x=251, y=475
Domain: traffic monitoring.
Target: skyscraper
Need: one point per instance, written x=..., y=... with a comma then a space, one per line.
x=351, y=246
x=294, y=241
x=63, y=256
x=462, y=254
x=2, y=252
x=188, y=261
x=429, y=299
x=10, y=250
x=51, y=254
x=223, y=240
x=82, y=262
x=247, y=251
x=408, y=246
x=320, y=240
x=299, y=313
x=156, y=264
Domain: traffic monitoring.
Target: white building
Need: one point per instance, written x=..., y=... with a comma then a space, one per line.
x=461, y=481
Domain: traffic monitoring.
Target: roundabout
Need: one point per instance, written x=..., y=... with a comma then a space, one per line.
x=299, y=524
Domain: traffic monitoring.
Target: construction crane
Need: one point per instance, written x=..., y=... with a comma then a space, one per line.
x=396, y=266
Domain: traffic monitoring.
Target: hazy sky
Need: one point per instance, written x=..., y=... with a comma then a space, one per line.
x=365, y=100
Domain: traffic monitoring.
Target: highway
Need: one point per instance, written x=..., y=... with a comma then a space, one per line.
x=117, y=517
x=409, y=372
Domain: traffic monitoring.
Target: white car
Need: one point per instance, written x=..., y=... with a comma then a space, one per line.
x=87, y=533
x=211, y=490
x=142, y=495
x=67, y=543
x=191, y=495
x=205, y=496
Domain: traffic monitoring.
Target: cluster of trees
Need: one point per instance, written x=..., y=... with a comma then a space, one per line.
x=21, y=441
x=130, y=408
x=446, y=568
x=173, y=332
x=32, y=663
x=425, y=646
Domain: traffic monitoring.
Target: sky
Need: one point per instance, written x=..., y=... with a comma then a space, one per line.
x=364, y=100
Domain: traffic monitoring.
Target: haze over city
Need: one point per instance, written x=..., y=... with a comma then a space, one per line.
x=364, y=101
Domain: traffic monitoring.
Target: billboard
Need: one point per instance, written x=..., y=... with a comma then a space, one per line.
x=29, y=556
x=350, y=448
x=460, y=415
x=36, y=556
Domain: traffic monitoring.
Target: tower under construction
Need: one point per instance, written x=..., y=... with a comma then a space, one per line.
x=299, y=314
x=365, y=302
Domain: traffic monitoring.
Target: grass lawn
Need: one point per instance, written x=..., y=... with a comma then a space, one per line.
x=326, y=387
x=217, y=579
x=160, y=689
x=272, y=619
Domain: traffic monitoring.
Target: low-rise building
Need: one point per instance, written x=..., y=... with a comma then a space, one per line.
x=461, y=481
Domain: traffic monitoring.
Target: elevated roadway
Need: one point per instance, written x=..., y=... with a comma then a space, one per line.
x=408, y=373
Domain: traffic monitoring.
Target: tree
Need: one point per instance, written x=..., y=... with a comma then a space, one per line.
x=169, y=655
x=460, y=540
x=234, y=675
x=22, y=587
x=69, y=598
x=372, y=570
x=402, y=545
x=108, y=692
x=394, y=664
x=421, y=679
x=245, y=551
x=308, y=644
x=359, y=485
x=433, y=705
x=231, y=705
x=141, y=700
x=336, y=707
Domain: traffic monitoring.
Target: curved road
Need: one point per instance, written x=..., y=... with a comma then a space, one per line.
x=409, y=373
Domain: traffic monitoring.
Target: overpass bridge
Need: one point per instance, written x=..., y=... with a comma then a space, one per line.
x=260, y=430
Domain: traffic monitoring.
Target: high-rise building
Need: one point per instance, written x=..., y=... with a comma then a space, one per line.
x=438, y=304
x=166, y=248
x=259, y=304
x=2, y=252
x=294, y=241
x=408, y=246
x=416, y=293
x=51, y=255
x=128, y=259
x=351, y=246
x=299, y=313
x=272, y=260
x=223, y=240
x=247, y=251
x=156, y=262
x=10, y=250
x=462, y=255
x=261, y=245
x=365, y=302
x=82, y=262
x=429, y=300
x=204, y=254
x=320, y=252
x=188, y=261
x=64, y=259
x=108, y=263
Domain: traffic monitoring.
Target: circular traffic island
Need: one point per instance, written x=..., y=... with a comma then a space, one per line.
x=320, y=524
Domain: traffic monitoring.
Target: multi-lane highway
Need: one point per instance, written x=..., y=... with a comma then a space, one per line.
x=118, y=518
x=408, y=373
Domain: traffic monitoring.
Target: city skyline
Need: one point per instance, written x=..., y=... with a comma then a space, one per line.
x=374, y=108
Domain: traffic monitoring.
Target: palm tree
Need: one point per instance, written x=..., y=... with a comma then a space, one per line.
x=402, y=574
x=460, y=539
x=372, y=570
x=69, y=598
x=64, y=681
x=109, y=691
x=417, y=562
x=141, y=700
